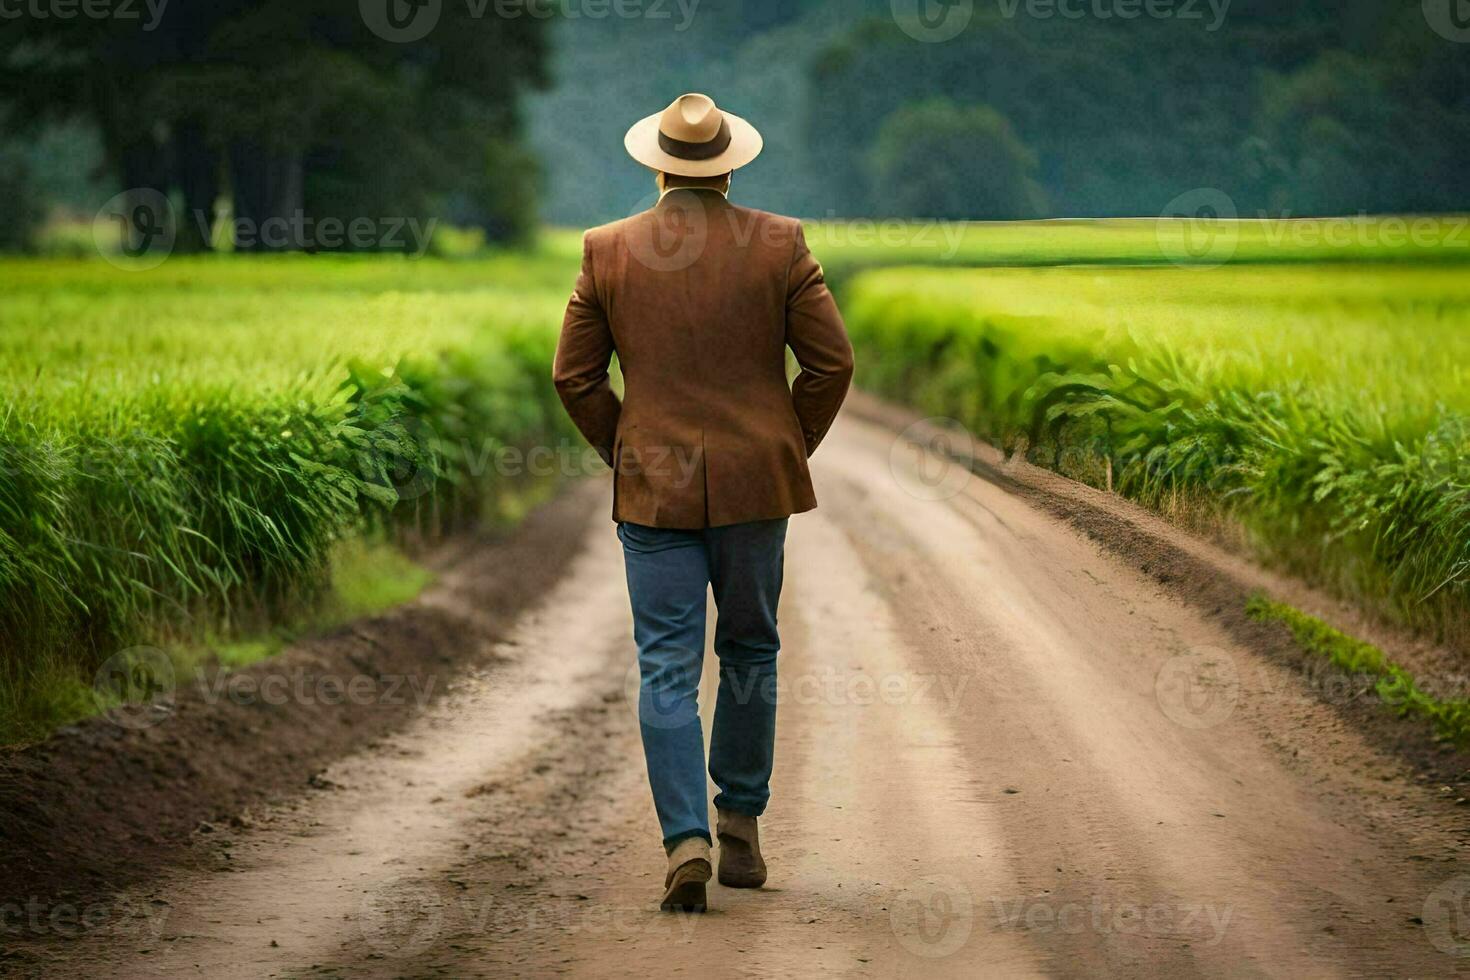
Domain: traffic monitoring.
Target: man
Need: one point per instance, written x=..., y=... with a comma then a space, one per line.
x=699, y=299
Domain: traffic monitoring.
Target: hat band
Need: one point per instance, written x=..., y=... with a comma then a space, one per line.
x=696, y=151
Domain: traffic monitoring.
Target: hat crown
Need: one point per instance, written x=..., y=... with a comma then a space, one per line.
x=691, y=118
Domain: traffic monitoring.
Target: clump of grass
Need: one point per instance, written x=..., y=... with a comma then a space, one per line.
x=365, y=575
x=1325, y=411
x=1395, y=686
x=183, y=451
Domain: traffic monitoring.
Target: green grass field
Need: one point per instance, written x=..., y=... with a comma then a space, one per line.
x=846, y=247
x=1323, y=410
x=187, y=452
x=183, y=450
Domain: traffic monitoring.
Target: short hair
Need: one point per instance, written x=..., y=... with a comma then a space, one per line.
x=681, y=179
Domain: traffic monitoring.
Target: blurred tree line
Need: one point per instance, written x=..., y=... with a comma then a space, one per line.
x=278, y=106
x=1300, y=107
x=288, y=109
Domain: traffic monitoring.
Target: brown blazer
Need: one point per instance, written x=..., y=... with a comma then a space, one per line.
x=699, y=299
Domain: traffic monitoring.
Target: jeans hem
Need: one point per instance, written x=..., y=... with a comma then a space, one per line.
x=671, y=842
x=744, y=809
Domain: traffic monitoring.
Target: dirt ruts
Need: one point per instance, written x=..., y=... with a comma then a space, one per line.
x=108, y=800
x=1004, y=750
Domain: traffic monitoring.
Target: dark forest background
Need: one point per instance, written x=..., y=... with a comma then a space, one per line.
x=1291, y=107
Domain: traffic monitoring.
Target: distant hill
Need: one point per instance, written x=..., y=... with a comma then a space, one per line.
x=1297, y=107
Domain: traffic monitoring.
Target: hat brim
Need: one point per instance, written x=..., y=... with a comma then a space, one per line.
x=641, y=142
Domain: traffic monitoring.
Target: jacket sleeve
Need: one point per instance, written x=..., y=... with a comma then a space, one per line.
x=583, y=355
x=816, y=335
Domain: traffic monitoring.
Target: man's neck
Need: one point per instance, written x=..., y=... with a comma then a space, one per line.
x=722, y=191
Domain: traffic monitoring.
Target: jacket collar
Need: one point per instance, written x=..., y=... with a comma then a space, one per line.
x=702, y=191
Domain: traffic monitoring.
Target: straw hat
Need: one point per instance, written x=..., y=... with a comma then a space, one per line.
x=693, y=138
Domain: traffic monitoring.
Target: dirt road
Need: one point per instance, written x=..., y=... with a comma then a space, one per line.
x=1002, y=753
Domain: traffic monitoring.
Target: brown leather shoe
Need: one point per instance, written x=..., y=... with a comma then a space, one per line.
x=741, y=864
x=689, y=870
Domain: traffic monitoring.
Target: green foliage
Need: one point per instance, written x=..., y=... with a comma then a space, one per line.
x=181, y=450
x=1394, y=685
x=1326, y=410
x=935, y=159
x=287, y=105
x=1303, y=107
x=20, y=205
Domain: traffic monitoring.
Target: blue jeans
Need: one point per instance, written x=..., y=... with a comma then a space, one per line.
x=669, y=572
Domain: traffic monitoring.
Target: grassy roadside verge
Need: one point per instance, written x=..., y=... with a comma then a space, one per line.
x=1317, y=416
x=190, y=453
x=1394, y=686
x=363, y=577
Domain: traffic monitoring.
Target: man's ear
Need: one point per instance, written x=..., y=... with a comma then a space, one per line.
x=658, y=181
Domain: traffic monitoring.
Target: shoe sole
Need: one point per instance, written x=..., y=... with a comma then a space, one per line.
x=686, y=890
x=734, y=853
